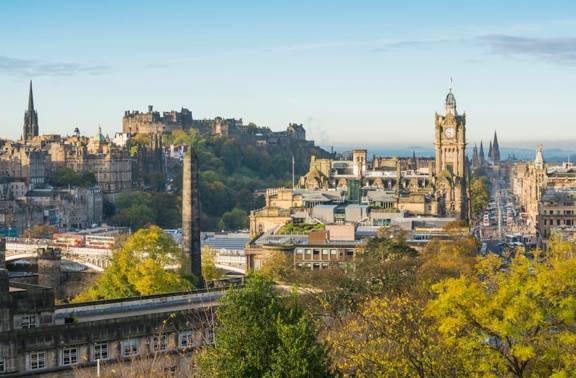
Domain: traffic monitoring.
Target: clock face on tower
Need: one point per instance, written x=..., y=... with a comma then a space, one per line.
x=449, y=132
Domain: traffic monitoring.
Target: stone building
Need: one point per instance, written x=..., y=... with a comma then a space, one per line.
x=152, y=122
x=111, y=165
x=41, y=338
x=544, y=192
x=427, y=186
x=23, y=161
x=34, y=157
x=556, y=212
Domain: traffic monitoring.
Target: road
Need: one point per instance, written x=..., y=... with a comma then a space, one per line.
x=501, y=225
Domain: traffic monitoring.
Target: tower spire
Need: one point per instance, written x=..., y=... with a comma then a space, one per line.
x=30, y=118
x=31, y=98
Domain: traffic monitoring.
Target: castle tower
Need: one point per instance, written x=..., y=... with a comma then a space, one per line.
x=191, y=251
x=30, y=118
x=450, y=166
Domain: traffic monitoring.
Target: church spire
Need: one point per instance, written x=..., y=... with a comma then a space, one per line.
x=481, y=154
x=475, y=158
x=495, y=149
x=30, y=99
x=30, y=118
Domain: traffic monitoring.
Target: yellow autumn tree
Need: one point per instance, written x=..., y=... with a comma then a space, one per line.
x=209, y=270
x=516, y=320
x=391, y=337
x=139, y=267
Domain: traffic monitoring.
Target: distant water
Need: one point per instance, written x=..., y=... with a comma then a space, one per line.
x=521, y=153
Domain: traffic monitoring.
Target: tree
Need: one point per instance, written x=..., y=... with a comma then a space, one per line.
x=386, y=264
x=391, y=337
x=260, y=334
x=443, y=259
x=139, y=268
x=514, y=320
x=64, y=177
x=137, y=209
x=39, y=231
x=479, y=194
x=209, y=270
x=277, y=265
x=234, y=220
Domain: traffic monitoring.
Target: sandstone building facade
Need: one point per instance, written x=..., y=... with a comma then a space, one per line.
x=430, y=186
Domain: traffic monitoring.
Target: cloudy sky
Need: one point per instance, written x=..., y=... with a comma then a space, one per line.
x=354, y=73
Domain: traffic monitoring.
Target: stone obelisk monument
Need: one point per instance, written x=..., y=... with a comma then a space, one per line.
x=191, y=251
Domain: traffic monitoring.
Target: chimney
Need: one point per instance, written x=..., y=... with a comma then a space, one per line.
x=191, y=251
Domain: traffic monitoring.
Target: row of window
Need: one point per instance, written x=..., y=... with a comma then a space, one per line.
x=128, y=348
x=559, y=212
x=325, y=252
x=550, y=222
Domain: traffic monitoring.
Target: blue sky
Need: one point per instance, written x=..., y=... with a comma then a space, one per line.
x=354, y=73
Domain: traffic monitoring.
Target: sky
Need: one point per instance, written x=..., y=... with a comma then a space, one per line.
x=354, y=73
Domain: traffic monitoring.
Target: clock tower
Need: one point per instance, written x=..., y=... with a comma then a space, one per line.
x=450, y=165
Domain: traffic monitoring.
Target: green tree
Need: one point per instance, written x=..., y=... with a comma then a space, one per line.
x=139, y=268
x=260, y=334
x=479, y=194
x=234, y=220
x=64, y=177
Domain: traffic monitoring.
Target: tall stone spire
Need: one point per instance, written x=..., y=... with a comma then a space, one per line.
x=30, y=118
x=191, y=251
x=481, y=155
x=495, y=149
x=490, y=152
x=475, y=158
x=30, y=98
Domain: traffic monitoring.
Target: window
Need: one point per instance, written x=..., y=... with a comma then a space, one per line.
x=308, y=252
x=298, y=251
x=159, y=343
x=2, y=364
x=333, y=252
x=28, y=321
x=325, y=252
x=37, y=360
x=69, y=356
x=100, y=351
x=186, y=339
x=130, y=347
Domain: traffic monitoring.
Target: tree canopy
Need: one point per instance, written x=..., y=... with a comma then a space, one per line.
x=260, y=334
x=64, y=177
x=139, y=268
x=137, y=209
